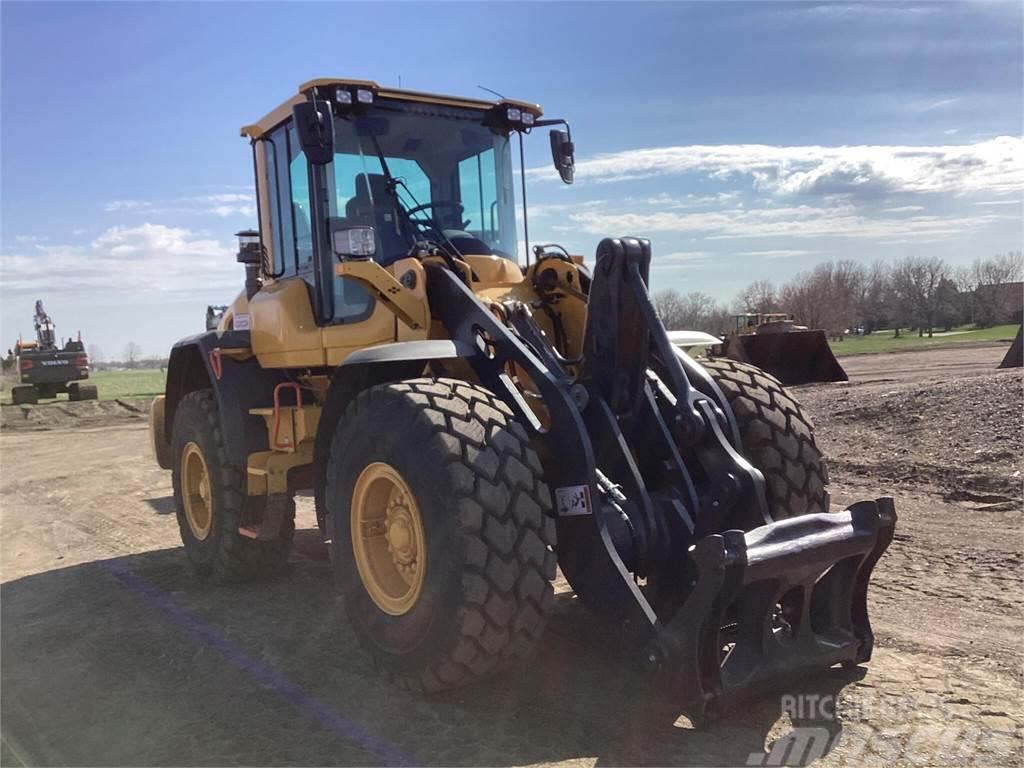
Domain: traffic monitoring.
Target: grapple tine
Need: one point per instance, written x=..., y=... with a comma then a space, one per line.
x=773, y=605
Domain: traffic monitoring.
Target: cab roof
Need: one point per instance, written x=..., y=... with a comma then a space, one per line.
x=277, y=116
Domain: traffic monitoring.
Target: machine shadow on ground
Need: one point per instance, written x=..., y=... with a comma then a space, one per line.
x=131, y=661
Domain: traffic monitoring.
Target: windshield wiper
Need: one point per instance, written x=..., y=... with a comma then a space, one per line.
x=392, y=186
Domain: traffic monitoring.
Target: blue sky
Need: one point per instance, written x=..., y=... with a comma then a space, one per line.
x=747, y=141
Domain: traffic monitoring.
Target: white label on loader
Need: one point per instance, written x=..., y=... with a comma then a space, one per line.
x=241, y=323
x=573, y=500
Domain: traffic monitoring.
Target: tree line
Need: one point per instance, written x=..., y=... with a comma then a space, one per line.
x=914, y=293
x=132, y=357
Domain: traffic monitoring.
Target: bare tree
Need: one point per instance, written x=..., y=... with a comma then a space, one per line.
x=695, y=311
x=870, y=302
x=804, y=298
x=669, y=306
x=948, y=304
x=965, y=279
x=994, y=291
x=841, y=285
x=915, y=282
x=132, y=353
x=95, y=354
x=999, y=269
x=759, y=296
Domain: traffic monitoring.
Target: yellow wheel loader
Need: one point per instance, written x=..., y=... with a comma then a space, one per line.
x=466, y=422
x=773, y=342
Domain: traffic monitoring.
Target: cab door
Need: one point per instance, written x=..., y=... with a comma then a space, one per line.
x=305, y=315
x=350, y=318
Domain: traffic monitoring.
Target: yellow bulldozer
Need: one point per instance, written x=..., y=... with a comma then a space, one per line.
x=773, y=342
x=466, y=421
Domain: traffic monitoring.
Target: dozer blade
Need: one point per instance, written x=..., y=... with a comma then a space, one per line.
x=773, y=605
x=1014, y=357
x=794, y=357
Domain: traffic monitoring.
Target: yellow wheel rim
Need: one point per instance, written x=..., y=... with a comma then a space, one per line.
x=196, y=491
x=387, y=539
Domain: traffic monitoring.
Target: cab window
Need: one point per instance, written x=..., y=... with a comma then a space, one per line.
x=281, y=213
x=478, y=192
x=298, y=175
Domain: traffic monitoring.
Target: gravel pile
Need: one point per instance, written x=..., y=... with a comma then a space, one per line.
x=965, y=436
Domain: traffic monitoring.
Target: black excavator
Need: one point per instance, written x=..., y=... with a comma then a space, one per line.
x=46, y=369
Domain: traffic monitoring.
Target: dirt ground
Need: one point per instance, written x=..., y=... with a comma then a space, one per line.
x=113, y=655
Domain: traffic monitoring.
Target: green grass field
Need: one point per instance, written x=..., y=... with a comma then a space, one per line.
x=883, y=341
x=111, y=384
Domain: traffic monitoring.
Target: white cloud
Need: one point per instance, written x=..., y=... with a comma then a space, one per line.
x=994, y=166
x=148, y=259
x=779, y=253
x=233, y=197
x=790, y=222
x=937, y=105
x=664, y=200
x=220, y=204
x=998, y=202
x=540, y=210
x=680, y=260
x=849, y=10
x=127, y=205
x=951, y=131
x=904, y=209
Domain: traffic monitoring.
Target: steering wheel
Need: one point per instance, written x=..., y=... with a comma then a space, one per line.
x=432, y=222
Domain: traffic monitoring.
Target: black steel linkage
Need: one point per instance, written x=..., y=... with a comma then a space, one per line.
x=520, y=319
x=699, y=377
x=587, y=550
x=660, y=452
x=732, y=481
x=613, y=455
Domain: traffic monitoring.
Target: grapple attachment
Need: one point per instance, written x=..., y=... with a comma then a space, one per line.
x=774, y=604
x=663, y=524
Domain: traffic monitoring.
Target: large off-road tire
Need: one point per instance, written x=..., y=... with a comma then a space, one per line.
x=477, y=586
x=210, y=518
x=24, y=395
x=162, y=449
x=777, y=437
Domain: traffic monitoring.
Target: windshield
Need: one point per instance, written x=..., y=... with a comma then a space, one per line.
x=425, y=172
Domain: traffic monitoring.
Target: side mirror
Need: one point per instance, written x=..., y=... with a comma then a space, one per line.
x=314, y=125
x=354, y=242
x=562, y=153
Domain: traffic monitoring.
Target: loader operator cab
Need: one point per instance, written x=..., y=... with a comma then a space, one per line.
x=352, y=170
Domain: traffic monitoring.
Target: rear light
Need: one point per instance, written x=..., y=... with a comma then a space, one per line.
x=81, y=362
x=26, y=364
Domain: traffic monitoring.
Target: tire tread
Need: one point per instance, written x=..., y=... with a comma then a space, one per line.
x=237, y=558
x=778, y=438
x=508, y=559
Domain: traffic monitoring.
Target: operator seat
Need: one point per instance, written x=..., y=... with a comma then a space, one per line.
x=379, y=211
